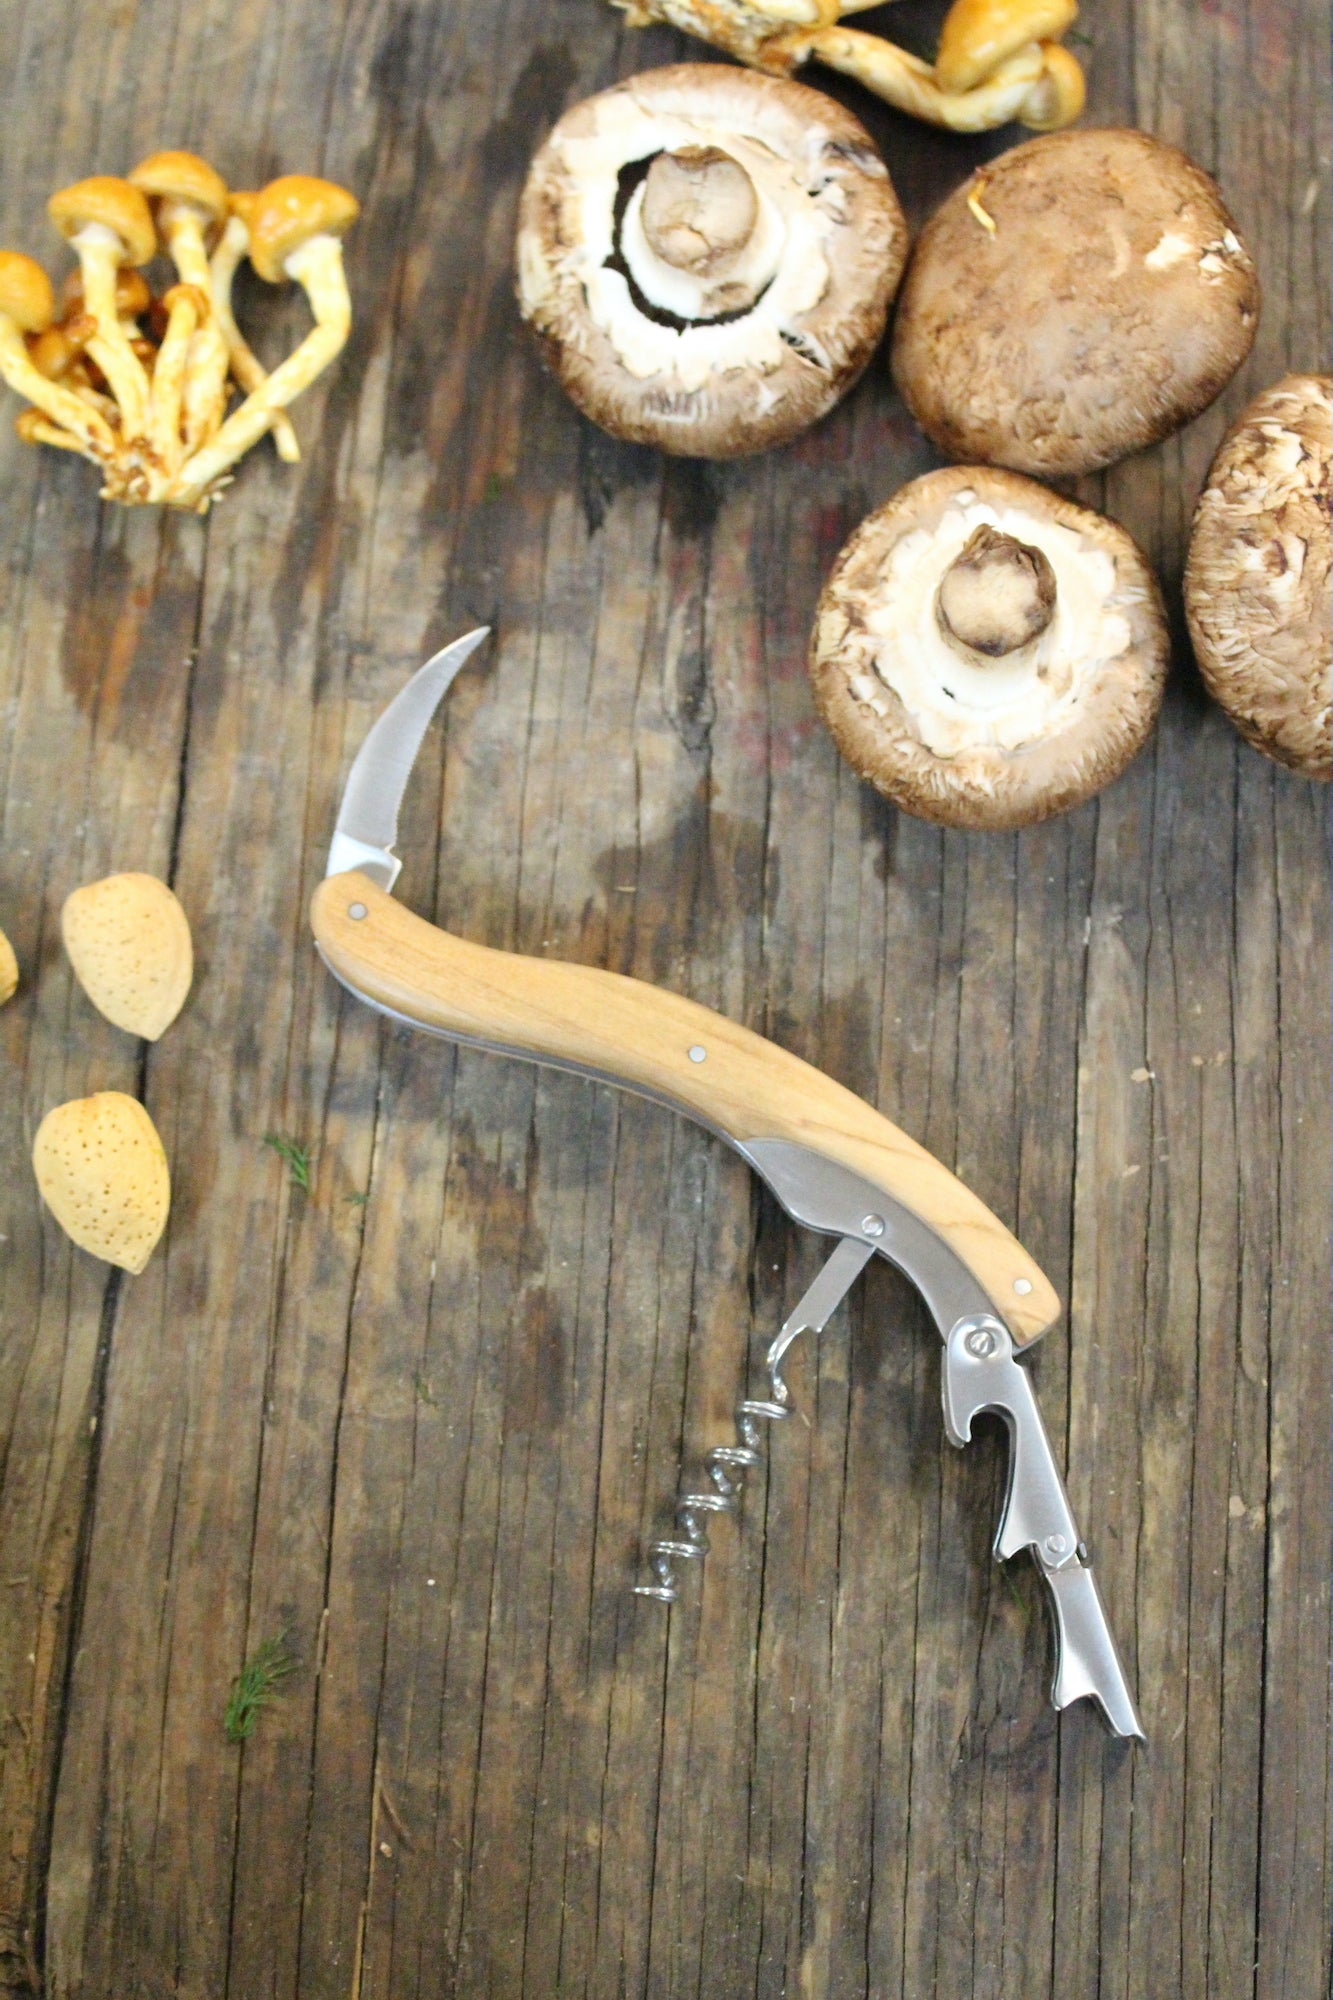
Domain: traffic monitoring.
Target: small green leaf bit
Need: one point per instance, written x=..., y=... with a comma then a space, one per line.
x=255, y=1686
x=296, y=1156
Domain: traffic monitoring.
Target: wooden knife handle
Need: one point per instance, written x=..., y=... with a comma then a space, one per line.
x=721, y=1074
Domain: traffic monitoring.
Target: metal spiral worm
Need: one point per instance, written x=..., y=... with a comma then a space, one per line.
x=726, y=1466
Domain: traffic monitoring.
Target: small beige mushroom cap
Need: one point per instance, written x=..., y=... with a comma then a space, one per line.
x=113, y=204
x=182, y=177
x=26, y=296
x=1092, y=733
x=288, y=212
x=1259, y=579
x=812, y=354
x=1100, y=299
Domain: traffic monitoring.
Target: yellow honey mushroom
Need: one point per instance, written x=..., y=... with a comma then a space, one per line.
x=9, y=970
x=27, y=306
x=33, y=428
x=188, y=199
x=186, y=309
x=996, y=62
x=246, y=366
x=108, y=224
x=296, y=227
x=979, y=35
x=102, y=1171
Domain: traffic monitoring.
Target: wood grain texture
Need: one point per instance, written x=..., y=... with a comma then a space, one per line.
x=427, y=1435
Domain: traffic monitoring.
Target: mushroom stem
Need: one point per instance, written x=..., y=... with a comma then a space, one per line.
x=699, y=209
x=997, y=595
x=246, y=366
x=66, y=410
x=204, y=387
x=318, y=268
x=185, y=307
x=910, y=85
x=34, y=428
x=100, y=252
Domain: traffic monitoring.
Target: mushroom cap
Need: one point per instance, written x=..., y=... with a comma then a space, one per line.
x=1259, y=579
x=182, y=177
x=999, y=744
x=704, y=384
x=113, y=204
x=26, y=296
x=288, y=212
x=1109, y=304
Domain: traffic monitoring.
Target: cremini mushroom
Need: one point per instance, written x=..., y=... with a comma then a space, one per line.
x=296, y=226
x=1078, y=298
x=707, y=257
x=27, y=306
x=108, y=224
x=189, y=203
x=1259, y=578
x=987, y=653
x=997, y=60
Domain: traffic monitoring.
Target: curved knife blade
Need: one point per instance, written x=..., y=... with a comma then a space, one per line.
x=367, y=826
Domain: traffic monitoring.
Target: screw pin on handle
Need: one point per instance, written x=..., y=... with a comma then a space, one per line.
x=727, y=1464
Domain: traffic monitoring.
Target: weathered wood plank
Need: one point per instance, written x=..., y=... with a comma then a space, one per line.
x=427, y=1436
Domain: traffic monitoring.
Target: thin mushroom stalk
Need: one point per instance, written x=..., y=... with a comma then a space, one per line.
x=248, y=369
x=296, y=229
x=107, y=224
x=998, y=59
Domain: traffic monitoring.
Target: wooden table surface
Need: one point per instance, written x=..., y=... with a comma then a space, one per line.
x=424, y=1435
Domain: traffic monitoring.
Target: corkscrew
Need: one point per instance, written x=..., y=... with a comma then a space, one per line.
x=727, y=1464
x=834, y=1163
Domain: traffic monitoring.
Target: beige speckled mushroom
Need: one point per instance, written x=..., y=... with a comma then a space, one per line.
x=1259, y=580
x=188, y=199
x=707, y=257
x=987, y=653
x=108, y=224
x=27, y=305
x=296, y=228
x=1079, y=298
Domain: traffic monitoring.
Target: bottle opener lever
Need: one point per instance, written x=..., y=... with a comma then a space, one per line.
x=835, y=1165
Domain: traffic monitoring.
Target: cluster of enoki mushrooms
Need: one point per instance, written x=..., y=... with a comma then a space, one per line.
x=997, y=59
x=141, y=385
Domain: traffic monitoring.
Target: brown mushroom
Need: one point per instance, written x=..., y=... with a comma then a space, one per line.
x=108, y=224
x=1259, y=578
x=27, y=305
x=1079, y=298
x=987, y=653
x=189, y=203
x=707, y=257
x=296, y=225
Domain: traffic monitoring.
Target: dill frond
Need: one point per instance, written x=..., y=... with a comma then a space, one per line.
x=255, y=1686
x=296, y=1155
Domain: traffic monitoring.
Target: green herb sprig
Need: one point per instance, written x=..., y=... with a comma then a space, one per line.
x=255, y=1687
x=296, y=1155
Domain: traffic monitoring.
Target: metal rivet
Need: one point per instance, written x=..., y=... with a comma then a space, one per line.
x=698, y=1054
x=1056, y=1544
x=1022, y=1286
x=872, y=1225
x=981, y=1342
x=356, y=911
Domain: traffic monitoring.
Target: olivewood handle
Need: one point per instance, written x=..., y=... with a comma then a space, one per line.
x=720, y=1074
